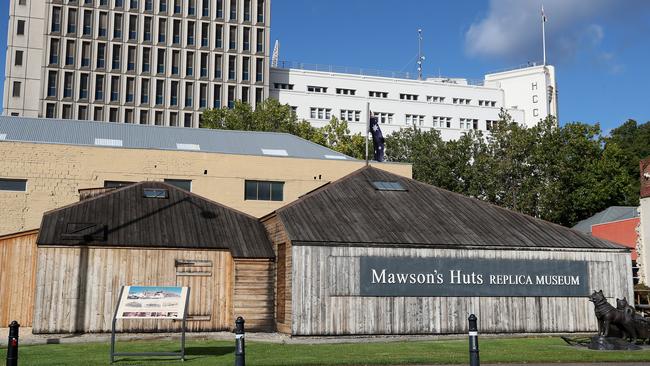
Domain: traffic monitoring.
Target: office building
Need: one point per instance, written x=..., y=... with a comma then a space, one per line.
x=452, y=106
x=152, y=62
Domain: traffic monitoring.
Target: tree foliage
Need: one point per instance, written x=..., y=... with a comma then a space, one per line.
x=558, y=173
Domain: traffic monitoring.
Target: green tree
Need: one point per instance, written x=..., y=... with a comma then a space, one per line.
x=634, y=141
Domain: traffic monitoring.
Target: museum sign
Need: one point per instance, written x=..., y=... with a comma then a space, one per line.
x=409, y=276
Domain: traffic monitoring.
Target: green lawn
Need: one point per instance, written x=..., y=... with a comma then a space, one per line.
x=203, y=352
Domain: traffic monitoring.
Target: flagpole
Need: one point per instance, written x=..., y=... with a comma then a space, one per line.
x=367, y=128
x=544, y=34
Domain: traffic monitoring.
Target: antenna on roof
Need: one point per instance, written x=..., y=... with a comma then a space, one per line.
x=420, y=55
x=276, y=54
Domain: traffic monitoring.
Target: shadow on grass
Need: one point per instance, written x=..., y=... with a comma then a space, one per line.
x=208, y=351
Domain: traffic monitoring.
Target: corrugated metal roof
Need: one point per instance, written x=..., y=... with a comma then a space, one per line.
x=89, y=133
x=352, y=211
x=613, y=213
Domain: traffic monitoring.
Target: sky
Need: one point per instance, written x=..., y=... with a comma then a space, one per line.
x=600, y=48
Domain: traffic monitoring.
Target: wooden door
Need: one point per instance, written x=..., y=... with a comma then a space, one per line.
x=198, y=276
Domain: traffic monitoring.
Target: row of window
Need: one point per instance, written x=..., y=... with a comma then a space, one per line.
x=384, y=95
x=255, y=190
x=208, y=8
x=322, y=113
x=140, y=91
x=196, y=33
x=179, y=63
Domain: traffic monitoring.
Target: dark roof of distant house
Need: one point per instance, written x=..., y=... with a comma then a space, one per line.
x=613, y=213
x=353, y=211
x=126, y=218
x=126, y=135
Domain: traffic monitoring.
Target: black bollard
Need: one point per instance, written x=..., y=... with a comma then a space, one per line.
x=240, y=357
x=12, y=344
x=473, y=341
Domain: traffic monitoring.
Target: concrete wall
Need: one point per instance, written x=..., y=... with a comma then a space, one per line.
x=55, y=173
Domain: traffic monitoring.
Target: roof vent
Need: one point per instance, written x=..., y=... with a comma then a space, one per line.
x=3, y=136
x=108, y=142
x=155, y=193
x=388, y=186
x=335, y=157
x=180, y=146
x=275, y=152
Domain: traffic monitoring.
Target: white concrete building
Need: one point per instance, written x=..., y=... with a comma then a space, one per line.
x=136, y=61
x=452, y=106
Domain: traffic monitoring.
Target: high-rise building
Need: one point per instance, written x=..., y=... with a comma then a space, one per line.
x=158, y=62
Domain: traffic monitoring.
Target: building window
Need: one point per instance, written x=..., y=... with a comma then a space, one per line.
x=232, y=67
x=205, y=9
x=161, y=61
x=128, y=116
x=54, y=51
x=173, y=100
x=66, y=111
x=343, y=91
x=205, y=34
x=414, y=119
x=384, y=117
x=283, y=86
x=263, y=190
x=441, y=122
x=216, y=97
x=117, y=26
x=117, y=50
x=203, y=96
x=246, y=44
x=461, y=101
x=18, y=59
x=116, y=183
x=260, y=40
x=218, y=36
x=259, y=95
x=16, y=89
x=260, y=11
x=190, y=33
x=232, y=38
x=85, y=54
x=245, y=69
x=144, y=92
x=435, y=99
x=130, y=90
x=69, y=53
x=162, y=30
x=56, y=20
x=189, y=64
x=51, y=84
x=316, y=89
x=404, y=96
x=113, y=114
x=82, y=113
x=259, y=70
x=83, y=86
x=320, y=113
x=160, y=91
x=98, y=114
x=204, y=65
x=101, y=55
x=72, y=21
x=231, y=97
x=219, y=9
x=158, y=118
x=87, y=23
x=247, y=10
x=187, y=120
x=185, y=184
x=115, y=89
x=350, y=115
x=189, y=94
x=50, y=110
x=233, y=9
x=16, y=185
x=377, y=94
x=133, y=27
x=103, y=26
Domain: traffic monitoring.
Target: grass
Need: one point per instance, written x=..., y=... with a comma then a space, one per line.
x=206, y=352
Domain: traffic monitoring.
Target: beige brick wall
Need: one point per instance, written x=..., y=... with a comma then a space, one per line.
x=55, y=173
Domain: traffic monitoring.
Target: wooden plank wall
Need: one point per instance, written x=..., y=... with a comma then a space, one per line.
x=77, y=288
x=253, y=296
x=283, y=281
x=326, y=300
x=17, y=277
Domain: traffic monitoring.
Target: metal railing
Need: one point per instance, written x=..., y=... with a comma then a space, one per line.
x=521, y=66
x=373, y=72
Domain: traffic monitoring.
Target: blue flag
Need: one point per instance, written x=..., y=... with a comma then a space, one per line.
x=377, y=139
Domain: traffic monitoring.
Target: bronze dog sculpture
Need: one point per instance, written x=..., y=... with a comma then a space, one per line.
x=641, y=325
x=609, y=316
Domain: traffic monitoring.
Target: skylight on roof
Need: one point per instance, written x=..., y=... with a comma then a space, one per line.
x=3, y=136
x=108, y=142
x=155, y=193
x=388, y=186
x=275, y=152
x=180, y=146
x=335, y=157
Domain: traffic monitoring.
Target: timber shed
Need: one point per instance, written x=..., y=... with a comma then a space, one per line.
x=151, y=234
x=377, y=253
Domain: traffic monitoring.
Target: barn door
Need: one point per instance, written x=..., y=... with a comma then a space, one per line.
x=197, y=275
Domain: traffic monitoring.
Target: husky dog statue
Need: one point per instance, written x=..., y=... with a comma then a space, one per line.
x=641, y=324
x=609, y=316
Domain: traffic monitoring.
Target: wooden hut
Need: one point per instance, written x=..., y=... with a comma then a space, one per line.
x=377, y=253
x=17, y=277
x=151, y=234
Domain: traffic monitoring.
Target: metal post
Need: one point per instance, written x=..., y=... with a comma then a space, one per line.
x=240, y=357
x=473, y=342
x=12, y=344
